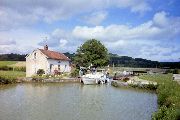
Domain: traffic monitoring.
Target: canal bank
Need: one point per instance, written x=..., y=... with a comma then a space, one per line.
x=135, y=82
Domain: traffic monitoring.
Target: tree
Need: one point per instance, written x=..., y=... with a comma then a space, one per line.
x=92, y=52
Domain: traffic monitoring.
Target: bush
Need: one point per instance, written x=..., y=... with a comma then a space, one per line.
x=7, y=80
x=165, y=113
x=20, y=69
x=175, y=71
x=10, y=68
x=40, y=72
x=10, y=76
x=6, y=68
x=125, y=79
x=113, y=83
x=75, y=73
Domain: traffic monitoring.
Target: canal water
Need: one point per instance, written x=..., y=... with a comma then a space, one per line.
x=74, y=101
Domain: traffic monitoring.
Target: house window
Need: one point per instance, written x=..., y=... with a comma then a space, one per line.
x=34, y=55
x=59, y=68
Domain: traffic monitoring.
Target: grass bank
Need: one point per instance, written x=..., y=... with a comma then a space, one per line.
x=12, y=65
x=10, y=76
x=168, y=93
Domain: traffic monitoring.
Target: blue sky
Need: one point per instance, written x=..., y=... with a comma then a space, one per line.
x=147, y=29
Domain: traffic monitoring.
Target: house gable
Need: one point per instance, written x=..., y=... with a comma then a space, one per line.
x=37, y=51
x=43, y=59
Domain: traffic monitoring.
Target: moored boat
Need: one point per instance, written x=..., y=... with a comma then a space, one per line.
x=95, y=78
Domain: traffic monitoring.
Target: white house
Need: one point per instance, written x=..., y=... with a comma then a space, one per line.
x=49, y=61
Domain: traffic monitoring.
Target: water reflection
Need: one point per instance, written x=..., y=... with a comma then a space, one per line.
x=75, y=102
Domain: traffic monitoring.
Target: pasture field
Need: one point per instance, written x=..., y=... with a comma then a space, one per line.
x=168, y=93
x=13, y=65
x=7, y=63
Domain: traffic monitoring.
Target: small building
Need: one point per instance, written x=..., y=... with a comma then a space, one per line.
x=176, y=77
x=49, y=61
x=156, y=71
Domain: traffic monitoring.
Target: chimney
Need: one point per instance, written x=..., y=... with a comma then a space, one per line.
x=45, y=47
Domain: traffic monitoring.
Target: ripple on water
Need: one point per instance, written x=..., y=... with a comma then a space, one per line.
x=65, y=101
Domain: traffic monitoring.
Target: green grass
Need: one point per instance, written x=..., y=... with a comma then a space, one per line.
x=12, y=65
x=10, y=76
x=6, y=63
x=168, y=93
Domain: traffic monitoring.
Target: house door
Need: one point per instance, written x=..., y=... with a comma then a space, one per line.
x=51, y=66
x=59, y=68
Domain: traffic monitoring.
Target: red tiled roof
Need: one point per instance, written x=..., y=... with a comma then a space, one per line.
x=54, y=55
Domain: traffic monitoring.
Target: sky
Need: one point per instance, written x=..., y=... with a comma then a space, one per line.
x=148, y=29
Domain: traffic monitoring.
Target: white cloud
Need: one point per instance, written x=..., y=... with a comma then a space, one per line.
x=161, y=27
x=7, y=42
x=11, y=19
x=160, y=19
x=63, y=42
x=151, y=40
x=143, y=40
x=135, y=5
x=96, y=18
x=20, y=40
x=6, y=49
x=27, y=12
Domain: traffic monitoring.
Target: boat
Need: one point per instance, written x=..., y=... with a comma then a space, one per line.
x=88, y=81
x=97, y=77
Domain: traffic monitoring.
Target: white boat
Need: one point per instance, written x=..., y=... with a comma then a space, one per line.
x=95, y=78
x=88, y=81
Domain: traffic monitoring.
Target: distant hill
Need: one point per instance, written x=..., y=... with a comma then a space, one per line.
x=125, y=61
x=170, y=65
x=12, y=57
x=116, y=60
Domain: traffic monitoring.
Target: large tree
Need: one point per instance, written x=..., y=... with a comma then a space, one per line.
x=92, y=52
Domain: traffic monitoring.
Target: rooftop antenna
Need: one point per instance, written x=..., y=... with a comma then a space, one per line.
x=45, y=40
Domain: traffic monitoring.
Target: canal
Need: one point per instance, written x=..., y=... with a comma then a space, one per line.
x=74, y=101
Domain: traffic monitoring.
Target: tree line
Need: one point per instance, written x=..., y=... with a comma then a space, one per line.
x=95, y=53
x=12, y=57
x=114, y=59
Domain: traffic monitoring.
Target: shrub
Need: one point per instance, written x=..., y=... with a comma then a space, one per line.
x=165, y=113
x=40, y=72
x=75, y=73
x=10, y=76
x=20, y=69
x=175, y=71
x=113, y=83
x=6, y=68
x=125, y=79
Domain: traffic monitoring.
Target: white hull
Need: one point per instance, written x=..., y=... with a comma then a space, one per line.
x=97, y=78
x=88, y=81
